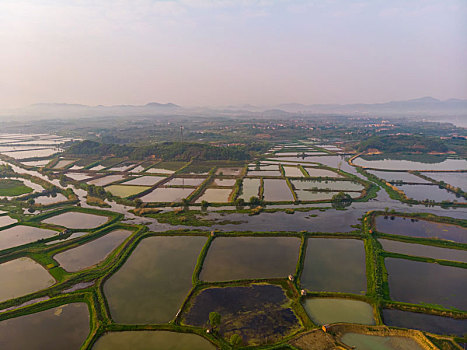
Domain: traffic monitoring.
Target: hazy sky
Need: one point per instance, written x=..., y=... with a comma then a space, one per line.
x=201, y=52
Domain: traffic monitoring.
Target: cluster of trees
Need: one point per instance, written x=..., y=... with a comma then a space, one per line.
x=341, y=200
x=403, y=143
x=182, y=151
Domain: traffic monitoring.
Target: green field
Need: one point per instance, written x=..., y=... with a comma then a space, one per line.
x=13, y=188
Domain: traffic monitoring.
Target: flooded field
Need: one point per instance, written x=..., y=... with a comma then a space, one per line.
x=327, y=185
x=316, y=172
x=91, y=253
x=63, y=327
x=147, y=340
x=374, y=342
x=5, y=220
x=250, y=188
x=392, y=176
x=420, y=228
x=250, y=258
x=454, y=179
x=168, y=194
x=424, y=322
x=420, y=282
x=291, y=171
x=160, y=171
x=21, y=234
x=75, y=219
x=333, y=310
x=224, y=182
x=145, y=180
x=229, y=171
x=45, y=200
x=424, y=250
x=215, y=195
x=63, y=163
x=256, y=312
x=103, y=181
x=152, y=284
x=277, y=190
x=78, y=176
x=429, y=192
x=126, y=191
x=335, y=265
x=45, y=152
x=24, y=276
x=398, y=164
x=181, y=181
x=276, y=173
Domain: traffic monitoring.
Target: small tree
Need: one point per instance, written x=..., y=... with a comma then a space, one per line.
x=239, y=202
x=255, y=200
x=214, y=319
x=204, y=205
x=185, y=204
x=236, y=340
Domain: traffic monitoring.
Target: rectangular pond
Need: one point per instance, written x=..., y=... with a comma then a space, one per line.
x=429, y=192
x=224, y=182
x=291, y=171
x=182, y=181
x=21, y=234
x=317, y=172
x=413, y=227
x=232, y=258
x=103, y=181
x=76, y=219
x=168, y=194
x=419, y=282
x=229, y=171
x=145, y=180
x=334, y=265
x=454, y=179
x=393, y=176
x=426, y=251
x=78, y=176
x=402, y=164
x=375, y=342
x=126, y=191
x=277, y=190
x=250, y=188
x=425, y=322
x=215, y=195
x=327, y=185
x=92, y=252
x=264, y=173
x=22, y=276
x=63, y=327
x=152, y=284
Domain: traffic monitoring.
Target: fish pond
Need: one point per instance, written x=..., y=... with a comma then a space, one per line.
x=424, y=250
x=327, y=185
x=145, y=180
x=77, y=220
x=103, y=181
x=393, y=176
x=258, y=313
x=454, y=179
x=429, y=192
x=152, y=284
x=186, y=181
x=168, y=194
x=412, y=227
x=125, y=191
x=334, y=265
x=148, y=340
x=277, y=190
x=317, y=172
x=215, y=195
x=22, y=276
x=250, y=258
x=21, y=234
x=388, y=163
x=332, y=310
x=63, y=327
x=419, y=282
x=424, y=322
x=92, y=252
x=250, y=188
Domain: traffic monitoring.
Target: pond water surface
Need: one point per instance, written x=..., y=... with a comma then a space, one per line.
x=21, y=234
x=332, y=310
x=374, y=342
x=78, y=220
x=277, y=190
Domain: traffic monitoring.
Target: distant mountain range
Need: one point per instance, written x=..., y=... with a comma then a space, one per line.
x=420, y=107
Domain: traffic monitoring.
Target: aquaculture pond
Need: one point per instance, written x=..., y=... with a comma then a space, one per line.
x=186, y=181
x=63, y=327
x=399, y=225
x=250, y=258
x=21, y=234
x=291, y=171
x=22, y=276
x=327, y=185
x=264, y=173
x=5, y=220
x=334, y=265
x=250, y=188
x=103, y=181
x=374, y=342
x=149, y=340
x=258, y=313
x=277, y=190
x=392, y=176
x=79, y=176
x=424, y=250
x=419, y=282
x=76, y=219
x=63, y=163
x=224, y=182
x=215, y=195
x=152, y=284
x=145, y=180
x=454, y=179
x=45, y=200
x=160, y=171
x=92, y=252
x=45, y=152
x=229, y=171
x=168, y=194
x=317, y=172
x=332, y=310
x=429, y=192
x=401, y=164
x=424, y=322
x=126, y=191
x=137, y=169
